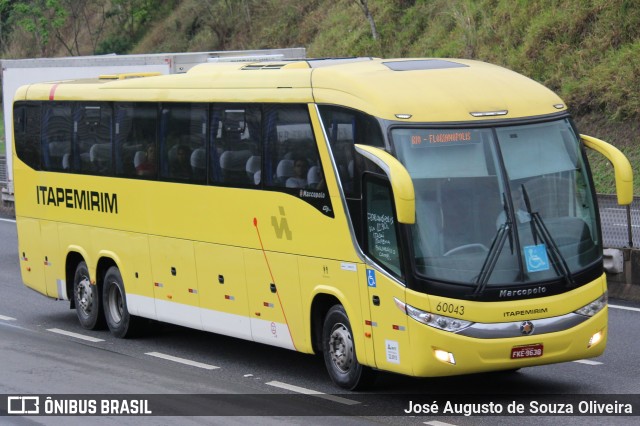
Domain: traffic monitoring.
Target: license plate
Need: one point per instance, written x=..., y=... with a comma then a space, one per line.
x=528, y=351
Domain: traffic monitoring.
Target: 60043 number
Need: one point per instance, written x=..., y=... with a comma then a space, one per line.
x=450, y=308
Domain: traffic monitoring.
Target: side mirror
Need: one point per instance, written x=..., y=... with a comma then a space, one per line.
x=403, y=193
x=621, y=166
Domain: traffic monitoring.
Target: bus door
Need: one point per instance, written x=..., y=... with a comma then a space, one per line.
x=384, y=276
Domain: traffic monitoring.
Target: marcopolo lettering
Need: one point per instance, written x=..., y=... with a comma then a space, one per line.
x=104, y=202
x=523, y=292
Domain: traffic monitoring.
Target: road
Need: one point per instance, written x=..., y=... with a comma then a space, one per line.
x=222, y=375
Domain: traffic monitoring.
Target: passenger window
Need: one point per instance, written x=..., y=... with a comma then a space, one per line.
x=380, y=222
x=292, y=162
x=135, y=139
x=92, y=138
x=26, y=128
x=183, y=141
x=236, y=145
x=344, y=128
x=57, y=128
x=292, y=155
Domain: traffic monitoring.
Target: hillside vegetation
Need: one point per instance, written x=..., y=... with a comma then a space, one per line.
x=586, y=50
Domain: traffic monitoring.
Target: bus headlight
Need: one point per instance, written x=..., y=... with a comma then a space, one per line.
x=595, y=339
x=440, y=322
x=594, y=307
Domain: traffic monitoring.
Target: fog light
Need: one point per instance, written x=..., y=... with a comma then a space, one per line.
x=444, y=356
x=595, y=339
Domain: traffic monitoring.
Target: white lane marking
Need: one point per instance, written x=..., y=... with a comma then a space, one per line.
x=306, y=391
x=437, y=423
x=626, y=308
x=182, y=360
x=7, y=220
x=3, y=318
x=76, y=335
x=588, y=362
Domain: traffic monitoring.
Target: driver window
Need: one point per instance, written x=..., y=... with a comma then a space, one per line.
x=381, y=229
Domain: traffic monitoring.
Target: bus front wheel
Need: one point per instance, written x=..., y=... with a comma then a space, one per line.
x=87, y=299
x=340, y=353
x=119, y=321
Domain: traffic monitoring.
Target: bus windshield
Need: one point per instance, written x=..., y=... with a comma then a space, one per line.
x=499, y=206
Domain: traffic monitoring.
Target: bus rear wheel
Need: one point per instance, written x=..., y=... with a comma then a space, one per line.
x=340, y=353
x=87, y=300
x=120, y=322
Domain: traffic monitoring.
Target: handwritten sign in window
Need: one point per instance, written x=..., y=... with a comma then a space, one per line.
x=382, y=240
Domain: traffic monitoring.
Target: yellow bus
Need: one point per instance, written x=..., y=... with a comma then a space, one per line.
x=428, y=217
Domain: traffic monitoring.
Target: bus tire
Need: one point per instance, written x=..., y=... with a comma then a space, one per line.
x=120, y=322
x=87, y=299
x=340, y=353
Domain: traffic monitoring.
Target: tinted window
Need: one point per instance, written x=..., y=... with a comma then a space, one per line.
x=26, y=128
x=236, y=145
x=57, y=135
x=135, y=139
x=183, y=135
x=344, y=128
x=292, y=154
x=382, y=239
x=92, y=151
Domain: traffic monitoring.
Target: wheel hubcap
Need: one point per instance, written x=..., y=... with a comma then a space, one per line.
x=341, y=347
x=85, y=295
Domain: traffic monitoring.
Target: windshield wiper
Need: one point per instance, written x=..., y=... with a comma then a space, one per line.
x=494, y=251
x=538, y=228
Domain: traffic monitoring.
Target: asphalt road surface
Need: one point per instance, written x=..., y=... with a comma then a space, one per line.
x=45, y=352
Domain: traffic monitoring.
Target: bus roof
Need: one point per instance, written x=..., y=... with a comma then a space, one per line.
x=415, y=90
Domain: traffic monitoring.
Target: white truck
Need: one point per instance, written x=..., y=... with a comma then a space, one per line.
x=18, y=72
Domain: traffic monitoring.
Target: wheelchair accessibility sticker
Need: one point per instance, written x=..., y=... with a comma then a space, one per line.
x=536, y=258
x=371, y=278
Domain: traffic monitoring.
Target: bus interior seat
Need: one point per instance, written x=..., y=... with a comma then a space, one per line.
x=199, y=163
x=254, y=164
x=172, y=154
x=57, y=150
x=139, y=158
x=284, y=171
x=100, y=157
x=233, y=165
x=65, y=161
x=314, y=176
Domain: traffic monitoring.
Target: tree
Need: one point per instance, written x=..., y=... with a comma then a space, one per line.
x=5, y=22
x=84, y=16
x=225, y=18
x=40, y=18
x=364, y=5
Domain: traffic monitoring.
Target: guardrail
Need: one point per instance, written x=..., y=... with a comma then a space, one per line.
x=3, y=171
x=620, y=224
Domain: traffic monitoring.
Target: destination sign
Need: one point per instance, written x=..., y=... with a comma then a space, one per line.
x=424, y=138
